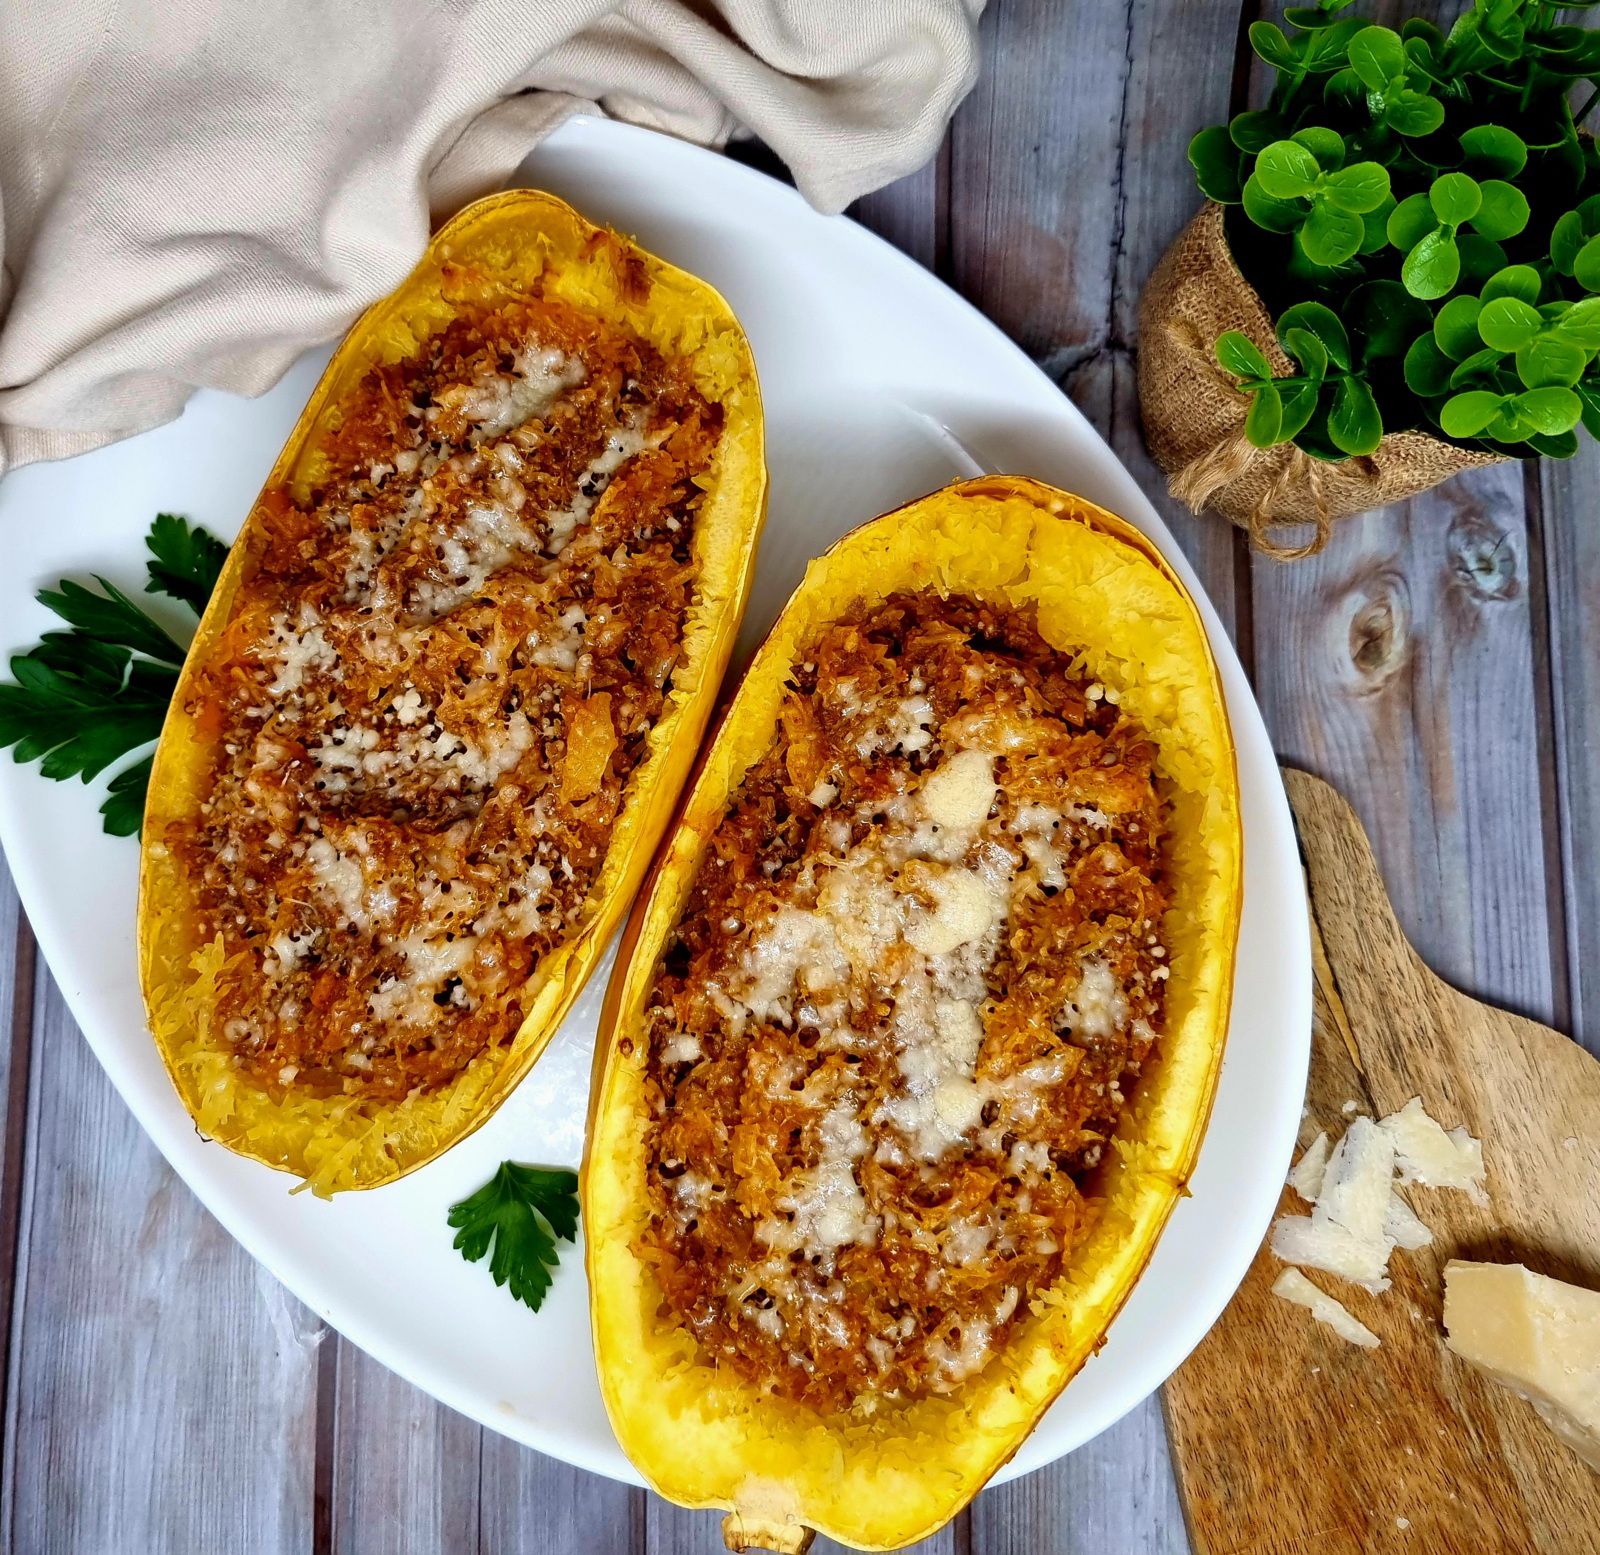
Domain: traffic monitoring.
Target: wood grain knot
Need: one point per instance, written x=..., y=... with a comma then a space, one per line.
x=1378, y=609
x=1483, y=558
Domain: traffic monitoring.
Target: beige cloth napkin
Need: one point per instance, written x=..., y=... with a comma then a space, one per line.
x=194, y=191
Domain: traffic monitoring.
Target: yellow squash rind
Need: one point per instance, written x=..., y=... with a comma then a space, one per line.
x=700, y=1435
x=494, y=248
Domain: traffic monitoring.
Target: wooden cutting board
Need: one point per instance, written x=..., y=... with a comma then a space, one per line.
x=1287, y=1440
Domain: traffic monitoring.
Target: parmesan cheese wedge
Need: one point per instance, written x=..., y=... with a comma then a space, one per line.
x=1537, y=1336
x=1293, y=1286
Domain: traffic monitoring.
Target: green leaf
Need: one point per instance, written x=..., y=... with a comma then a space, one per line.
x=1493, y=149
x=72, y=724
x=1480, y=258
x=1326, y=145
x=1432, y=268
x=1586, y=267
x=1354, y=423
x=518, y=1213
x=1590, y=396
x=1579, y=323
x=110, y=617
x=1562, y=446
x=1427, y=369
x=1455, y=328
x=1551, y=411
x=1551, y=361
x=1330, y=48
x=1271, y=44
x=1466, y=415
x=1566, y=242
x=1316, y=319
x=1505, y=323
x=185, y=562
x=1377, y=56
x=123, y=810
x=1215, y=161
x=1411, y=221
x=1255, y=128
x=84, y=698
x=1264, y=421
x=1522, y=281
x=1286, y=170
x=1386, y=317
x=1308, y=352
x=1478, y=370
x=1413, y=113
x=1455, y=198
x=1424, y=31
x=1238, y=354
x=1273, y=215
x=1329, y=236
x=1503, y=212
x=1375, y=227
x=1361, y=187
x=1299, y=405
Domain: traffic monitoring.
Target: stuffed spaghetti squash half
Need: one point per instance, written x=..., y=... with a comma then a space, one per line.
x=914, y=1035
x=444, y=697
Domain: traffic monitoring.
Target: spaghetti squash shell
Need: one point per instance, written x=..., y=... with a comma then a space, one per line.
x=882, y=1479
x=495, y=248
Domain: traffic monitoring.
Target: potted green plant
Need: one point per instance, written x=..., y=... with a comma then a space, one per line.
x=1396, y=276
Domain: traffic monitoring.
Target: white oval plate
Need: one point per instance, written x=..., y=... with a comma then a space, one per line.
x=866, y=360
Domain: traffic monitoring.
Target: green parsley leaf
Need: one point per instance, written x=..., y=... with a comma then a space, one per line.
x=84, y=698
x=124, y=806
x=185, y=563
x=521, y=1211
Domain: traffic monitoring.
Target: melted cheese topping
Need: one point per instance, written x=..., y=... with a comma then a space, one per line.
x=910, y=988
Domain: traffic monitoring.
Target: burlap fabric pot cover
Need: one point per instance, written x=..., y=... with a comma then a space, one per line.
x=1194, y=416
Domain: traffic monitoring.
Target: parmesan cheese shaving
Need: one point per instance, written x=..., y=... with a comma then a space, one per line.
x=1426, y=1154
x=1319, y=1244
x=1312, y=1167
x=1293, y=1286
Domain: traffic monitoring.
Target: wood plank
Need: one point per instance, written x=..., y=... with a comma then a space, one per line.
x=909, y=212
x=163, y=1390
x=17, y=958
x=1399, y=665
x=1569, y=602
x=530, y=1504
x=405, y=1470
x=1115, y=1494
x=1182, y=79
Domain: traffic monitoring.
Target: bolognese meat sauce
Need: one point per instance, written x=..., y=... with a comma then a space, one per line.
x=915, y=980
x=437, y=678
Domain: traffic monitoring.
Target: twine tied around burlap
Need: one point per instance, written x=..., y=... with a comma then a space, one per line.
x=1194, y=414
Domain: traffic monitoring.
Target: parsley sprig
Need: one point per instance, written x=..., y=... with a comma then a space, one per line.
x=521, y=1210
x=85, y=697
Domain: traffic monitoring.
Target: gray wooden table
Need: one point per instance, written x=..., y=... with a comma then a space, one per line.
x=1440, y=664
